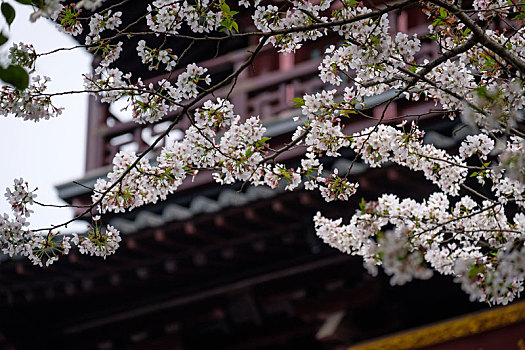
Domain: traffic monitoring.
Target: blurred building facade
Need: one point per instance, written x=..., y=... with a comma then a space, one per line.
x=240, y=267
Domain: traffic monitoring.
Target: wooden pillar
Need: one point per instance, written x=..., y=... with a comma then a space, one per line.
x=98, y=113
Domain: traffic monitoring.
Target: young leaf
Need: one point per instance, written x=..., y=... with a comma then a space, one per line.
x=225, y=8
x=16, y=76
x=362, y=205
x=443, y=13
x=298, y=101
x=9, y=12
x=3, y=39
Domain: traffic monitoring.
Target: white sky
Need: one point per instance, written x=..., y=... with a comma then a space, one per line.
x=49, y=152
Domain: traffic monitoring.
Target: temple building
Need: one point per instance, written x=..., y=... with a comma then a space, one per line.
x=240, y=267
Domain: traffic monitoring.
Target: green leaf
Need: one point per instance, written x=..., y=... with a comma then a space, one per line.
x=482, y=91
x=16, y=76
x=346, y=112
x=443, y=13
x=25, y=2
x=235, y=26
x=9, y=12
x=474, y=174
x=298, y=101
x=362, y=205
x=225, y=8
x=474, y=270
x=3, y=39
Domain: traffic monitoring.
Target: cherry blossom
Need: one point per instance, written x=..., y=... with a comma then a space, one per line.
x=472, y=227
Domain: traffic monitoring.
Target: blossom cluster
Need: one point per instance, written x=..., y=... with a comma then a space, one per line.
x=271, y=18
x=23, y=55
x=238, y=153
x=51, y=8
x=98, y=242
x=478, y=238
x=220, y=141
x=99, y=23
x=436, y=234
x=90, y=5
x=491, y=8
x=41, y=248
x=149, y=56
x=384, y=143
x=168, y=16
x=148, y=104
x=371, y=51
x=48, y=9
x=68, y=20
x=31, y=104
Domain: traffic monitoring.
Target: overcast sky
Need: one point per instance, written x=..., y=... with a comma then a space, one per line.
x=49, y=152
